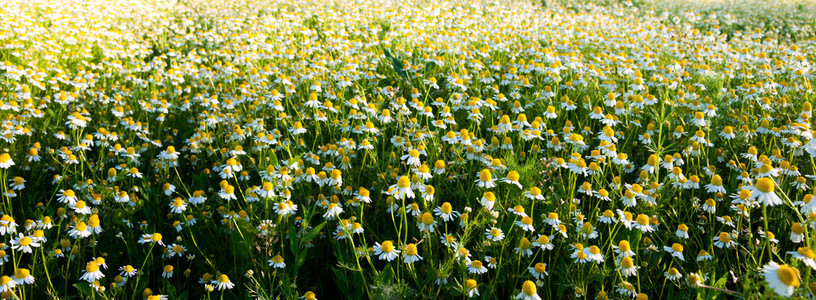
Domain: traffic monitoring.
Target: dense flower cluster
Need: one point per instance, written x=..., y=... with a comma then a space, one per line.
x=374, y=148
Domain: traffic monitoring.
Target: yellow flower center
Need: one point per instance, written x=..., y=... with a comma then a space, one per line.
x=23, y=273
x=627, y=262
x=485, y=175
x=404, y=182
x=624, y=246
x=798, y=228
x=427, y=218
x=387, y=247
x=594, y=249
x=524, y=243
x=411, y=249
x=309, y=295
x=92, y=267
x=581, y=255
x=277, y=259
x=476, y=264
x=789, y=276
x=529, y=288
x=643, y=219
x=806, y=252
x=765, y=185
x=716, y=180
x=724, y=237
x=470, y=284
x=587, y=228
x=223, y=278
x=513, y=176
x=495, y=232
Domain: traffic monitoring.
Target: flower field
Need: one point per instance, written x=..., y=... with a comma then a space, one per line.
x=374, y=149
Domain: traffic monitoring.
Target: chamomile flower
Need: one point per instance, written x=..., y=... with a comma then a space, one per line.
x=539, y=270
x=92, y=272
x=24, y=244
x=127, y=271
x=763, y=192
x=528, y=291
x=524, y=248
x=7, y=284
x=782, y=279
x=412, y=158
x=426, y=223
x=486, y=179
x=716, y=185
x=805, y=255
x=580, y=256
x=552, y=219
x=67, y=196
x=403, y=188
x=607, y=217
x=446, y=212
x=277, y=262
x=543, y=242
x=494, y=234
x=724, y=239
x=23, y=276
x=512, y=178
x=626, y=289
x=471, y=288
x=673, y=274
x=476, y=267
x=80, y=230
x=488, y=200
x=642, y=223
x=526, y=224
x=534, y=193
x=492, y=263
x=517, y=210
x=627, y=266
x=623, y=249
x=703, y=255
x=676, y=250
x=386, y=251
x=223, y=283
x=167, y=271
x=448, y=240
x=797, y=234
x=410, y=254
x=6, y=161
x=593, y=253
x=333, y=211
